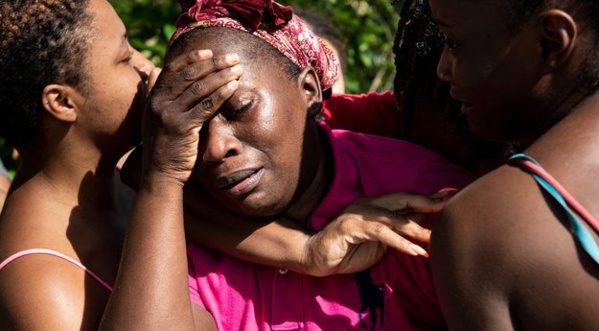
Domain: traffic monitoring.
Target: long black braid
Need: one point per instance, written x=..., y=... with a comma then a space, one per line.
x=418, y=46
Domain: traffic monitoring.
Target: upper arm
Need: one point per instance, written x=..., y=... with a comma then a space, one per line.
x=49, y=295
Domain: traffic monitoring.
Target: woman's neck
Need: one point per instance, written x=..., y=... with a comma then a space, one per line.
x=318, y=180
x=85, y=179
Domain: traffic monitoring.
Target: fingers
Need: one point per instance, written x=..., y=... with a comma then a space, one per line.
x=392, y=239
x=196, y=84
x=180, y=62
x=210, y=92
x=184, y=71
x=407, y=202
x=375, y=231
x=407, y=225
x=203, y=110
x=188, y=92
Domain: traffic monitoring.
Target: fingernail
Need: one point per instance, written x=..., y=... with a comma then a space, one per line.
x=232, y=58
x=233, y=84
x=236, y=69
x=205, y=53
x=419, y=250
x=444, y=193
x=448, y=190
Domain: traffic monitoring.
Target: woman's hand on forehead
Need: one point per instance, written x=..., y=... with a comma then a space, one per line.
x=188, y=92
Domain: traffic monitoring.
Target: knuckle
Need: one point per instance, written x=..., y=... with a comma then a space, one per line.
x=378, y=228
x=403, y=242
x=215, y=62
x=189, y=73
x=198, y=88
x=345, y=223
x=207, y=104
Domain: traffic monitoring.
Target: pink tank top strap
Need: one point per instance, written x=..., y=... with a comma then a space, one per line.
x=57, y=254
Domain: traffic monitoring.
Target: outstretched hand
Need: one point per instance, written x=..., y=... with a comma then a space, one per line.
x=359, y=237
x=187, y=93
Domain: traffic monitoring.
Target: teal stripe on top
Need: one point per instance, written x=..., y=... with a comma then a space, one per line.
x=582, y=234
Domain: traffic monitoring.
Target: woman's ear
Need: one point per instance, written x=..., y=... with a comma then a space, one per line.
x=310, y=86
x=558, y=38
x=59, y=102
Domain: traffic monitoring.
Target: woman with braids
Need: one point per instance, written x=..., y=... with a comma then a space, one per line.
x=525, y=72
x=421, y=109
x=263, y=154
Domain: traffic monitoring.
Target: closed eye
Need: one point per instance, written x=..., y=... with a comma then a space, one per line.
x=235, y=113
x=451, y=45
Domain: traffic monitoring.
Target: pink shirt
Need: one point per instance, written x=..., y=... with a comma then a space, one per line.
x=246, y=296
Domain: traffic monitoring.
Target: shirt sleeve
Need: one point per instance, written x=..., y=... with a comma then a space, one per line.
x=372, y=113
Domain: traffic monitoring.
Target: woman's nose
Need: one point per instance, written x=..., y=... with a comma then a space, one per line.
x=219, y=141
x=142, y=64
x=444, y=66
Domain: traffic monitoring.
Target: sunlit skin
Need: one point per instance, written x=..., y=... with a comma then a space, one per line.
x=252, y=153
x=64, y=194
x=116, y=89
x=503, y=256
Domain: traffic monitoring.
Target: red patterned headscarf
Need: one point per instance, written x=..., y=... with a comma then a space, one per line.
x=269, y=21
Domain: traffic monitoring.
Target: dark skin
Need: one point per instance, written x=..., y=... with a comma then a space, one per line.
x=64, y=194
x=344, y=252
x=224, y=147
x=359, y=237
x=165, y=238
x=152, y=276
x=521, y=268
x=353, y=241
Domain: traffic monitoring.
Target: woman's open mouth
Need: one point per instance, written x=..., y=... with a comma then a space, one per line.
x=240, y=182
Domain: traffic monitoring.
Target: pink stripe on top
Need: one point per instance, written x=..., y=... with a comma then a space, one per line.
x=57, y=254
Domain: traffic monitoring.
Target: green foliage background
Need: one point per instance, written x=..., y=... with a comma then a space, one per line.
x=368, y=27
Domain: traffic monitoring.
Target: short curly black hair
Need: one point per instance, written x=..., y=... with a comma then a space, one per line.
x=42, y=42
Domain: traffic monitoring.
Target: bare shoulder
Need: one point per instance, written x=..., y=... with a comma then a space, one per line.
x=43, y=292
x=475, y=246
x=491, y=212
x=503, y=258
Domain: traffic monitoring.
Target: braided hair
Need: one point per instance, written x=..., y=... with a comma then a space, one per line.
x=42, y=42
x=418, y=46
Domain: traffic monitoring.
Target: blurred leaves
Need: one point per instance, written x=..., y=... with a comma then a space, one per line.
x=368, y=27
